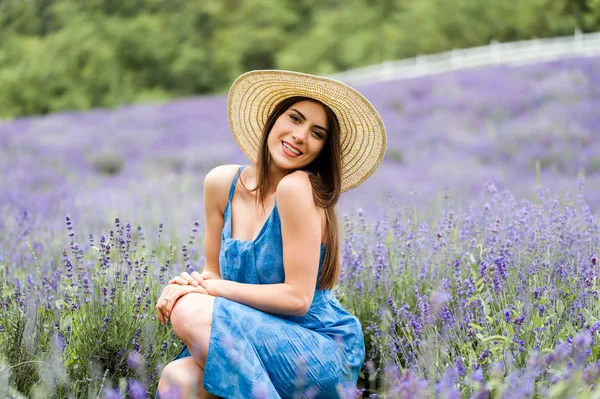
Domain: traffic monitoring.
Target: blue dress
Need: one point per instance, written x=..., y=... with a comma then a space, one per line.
x=254, y=354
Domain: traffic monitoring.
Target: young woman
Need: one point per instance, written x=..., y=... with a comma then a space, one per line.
x=261, y=319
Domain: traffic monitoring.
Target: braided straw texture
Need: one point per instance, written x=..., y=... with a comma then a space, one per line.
x=362, y=133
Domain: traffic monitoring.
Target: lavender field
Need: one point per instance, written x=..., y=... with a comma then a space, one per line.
x=470, y=256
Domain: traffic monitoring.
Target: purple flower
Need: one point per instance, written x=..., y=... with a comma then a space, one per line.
x=483, y=269
x=460, y=367
x=519, y=320
x=446, y=387
x=112, y=394
x=477, y=376
x=484, y=355
x=134, y=360
x=163, y=348
x=583, y=339
x=136, y=390
x=438, y=301
x=542, y=309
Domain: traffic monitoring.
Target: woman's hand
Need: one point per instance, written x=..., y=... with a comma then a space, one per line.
x=170, y=294
x=195, y=279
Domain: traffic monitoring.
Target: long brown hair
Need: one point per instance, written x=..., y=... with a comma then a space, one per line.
x=325, y=178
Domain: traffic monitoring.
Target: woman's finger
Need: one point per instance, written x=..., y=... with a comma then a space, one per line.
x=198, y=277
x=160, y=311
x=178, y=280
x=158, y=315
x=160, y=304
x=186, y=276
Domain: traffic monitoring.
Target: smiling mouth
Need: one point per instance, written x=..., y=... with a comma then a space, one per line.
x=291, y=149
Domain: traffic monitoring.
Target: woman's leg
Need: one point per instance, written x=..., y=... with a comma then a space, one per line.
x=181, y=378
x=191, y=318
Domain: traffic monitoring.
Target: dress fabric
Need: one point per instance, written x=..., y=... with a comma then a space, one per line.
x=255, y=354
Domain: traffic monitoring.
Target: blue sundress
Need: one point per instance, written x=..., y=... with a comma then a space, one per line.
x=255, y=354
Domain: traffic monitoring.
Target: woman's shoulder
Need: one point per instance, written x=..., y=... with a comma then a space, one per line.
x=218, y=180
x=221, y=172
x=295, y=185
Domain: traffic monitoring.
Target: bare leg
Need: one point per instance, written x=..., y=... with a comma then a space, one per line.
x=192, y=319
x=183, y=378
x=180, y=379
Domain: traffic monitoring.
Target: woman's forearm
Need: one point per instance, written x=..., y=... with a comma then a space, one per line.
x=271, y=298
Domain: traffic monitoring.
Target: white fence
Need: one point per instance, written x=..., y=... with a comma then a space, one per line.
x=512, y=53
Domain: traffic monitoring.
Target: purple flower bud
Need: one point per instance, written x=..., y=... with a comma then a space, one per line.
x=542, y=309
x=460, y=366
x=484, y=355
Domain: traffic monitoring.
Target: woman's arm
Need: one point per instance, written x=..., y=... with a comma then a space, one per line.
x=301, y=237
x=216, y=191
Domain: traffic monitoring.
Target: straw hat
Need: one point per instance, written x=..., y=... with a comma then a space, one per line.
x=363, y=139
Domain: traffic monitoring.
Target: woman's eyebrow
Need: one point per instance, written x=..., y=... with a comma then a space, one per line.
x=304, y=118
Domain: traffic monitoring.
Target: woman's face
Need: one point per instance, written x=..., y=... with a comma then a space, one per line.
x=303, y=127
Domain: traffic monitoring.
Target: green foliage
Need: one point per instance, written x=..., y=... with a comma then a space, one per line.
x=65, y=54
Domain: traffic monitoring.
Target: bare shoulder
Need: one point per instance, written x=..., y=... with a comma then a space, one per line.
x=297, y=206
x=295, y=188
x=220, y=173
x=217, y=183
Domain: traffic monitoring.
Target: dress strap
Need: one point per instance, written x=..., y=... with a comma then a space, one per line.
x=235, y=179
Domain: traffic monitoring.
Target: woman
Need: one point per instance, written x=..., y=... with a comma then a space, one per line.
x=261, y=319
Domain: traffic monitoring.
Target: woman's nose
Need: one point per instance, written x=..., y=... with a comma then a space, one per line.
x=299, y=135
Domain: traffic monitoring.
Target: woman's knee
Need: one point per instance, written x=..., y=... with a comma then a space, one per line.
x=191, y=312
x=178, y=377
x=168, y=385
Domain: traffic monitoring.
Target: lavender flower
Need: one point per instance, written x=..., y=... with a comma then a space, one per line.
x=136, y=390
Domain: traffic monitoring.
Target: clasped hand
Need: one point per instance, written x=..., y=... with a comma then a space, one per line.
x=202, y=283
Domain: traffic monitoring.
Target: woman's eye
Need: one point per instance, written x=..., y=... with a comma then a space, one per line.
x=294, y=118
x=318, y=134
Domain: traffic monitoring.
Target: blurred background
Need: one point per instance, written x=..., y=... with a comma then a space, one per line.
x=68, y=54
x=118, y=107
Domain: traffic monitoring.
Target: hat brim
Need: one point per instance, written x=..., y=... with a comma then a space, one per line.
x=254, y=94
